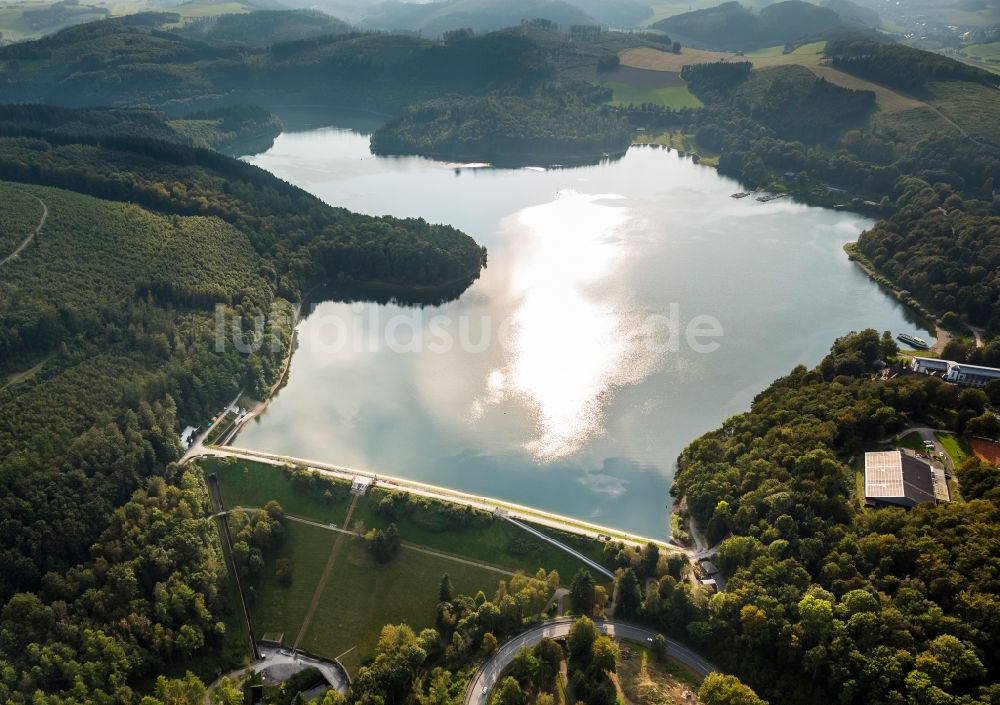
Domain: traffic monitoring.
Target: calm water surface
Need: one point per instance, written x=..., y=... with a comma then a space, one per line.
x=561, y=387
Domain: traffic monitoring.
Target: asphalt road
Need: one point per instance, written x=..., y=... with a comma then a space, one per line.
x=488, y=675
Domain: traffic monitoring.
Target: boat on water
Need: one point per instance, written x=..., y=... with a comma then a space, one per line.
x=742, y=194
x=913, y=341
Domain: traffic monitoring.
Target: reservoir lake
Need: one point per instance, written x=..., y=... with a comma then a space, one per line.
x=627, y=308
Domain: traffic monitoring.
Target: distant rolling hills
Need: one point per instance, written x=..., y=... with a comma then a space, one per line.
x=735, y=27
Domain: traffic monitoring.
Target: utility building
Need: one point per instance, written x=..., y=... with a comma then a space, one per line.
x=893, y=477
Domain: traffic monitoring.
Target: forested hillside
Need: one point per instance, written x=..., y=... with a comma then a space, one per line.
x=734, y=26
x=825, y=601
x=794, y=103
x=222, y=128
x=434, y=19
x=942, y=249
x=902, y=66
x=122, y=62
x=108, y=346
x=562, y=125
x=263, y=28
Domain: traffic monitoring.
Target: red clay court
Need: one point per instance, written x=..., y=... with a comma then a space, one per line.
x=987, y=450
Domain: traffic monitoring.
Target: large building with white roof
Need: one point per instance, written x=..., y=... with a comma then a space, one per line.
x=893, y=477
x=956, y=372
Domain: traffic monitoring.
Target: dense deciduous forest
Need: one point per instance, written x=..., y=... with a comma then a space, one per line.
x=826, y=601
x=942, y=249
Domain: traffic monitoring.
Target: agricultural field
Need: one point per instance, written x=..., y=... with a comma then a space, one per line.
x=810, y=49
x=669, y=8
x=674, y=97
x=984, y=52
x=210, y=8
x=807, y=55
x=20, y=21
x=635, y=86
x=777, y=50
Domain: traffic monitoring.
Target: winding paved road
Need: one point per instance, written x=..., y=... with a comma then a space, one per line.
x=27, y=240
x=489, y=673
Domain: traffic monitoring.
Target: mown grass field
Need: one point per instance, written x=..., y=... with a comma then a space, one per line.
x=277, y=609
x=777, y=50
x=210, y=9
x=955, y=446
x=363, y=596
x=983, y=51
x=810, y=48
x=912, y=441
x=674, y=97
x=669, y=8
x=495, y=541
